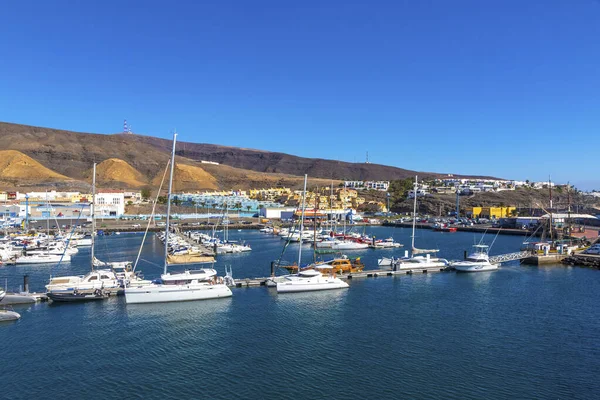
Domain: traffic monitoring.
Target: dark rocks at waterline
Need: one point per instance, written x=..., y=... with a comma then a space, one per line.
x=583, y=260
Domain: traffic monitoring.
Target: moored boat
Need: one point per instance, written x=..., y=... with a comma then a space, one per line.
x=477, y=261
x=8, y=315
x=190, y=285
x=76, y=296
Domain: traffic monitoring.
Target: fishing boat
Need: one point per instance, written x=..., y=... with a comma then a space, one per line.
x=477, y=261
x=200, y=284
x=311, y=279
x=444, y=228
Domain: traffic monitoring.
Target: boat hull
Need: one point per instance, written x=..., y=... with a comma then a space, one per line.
x=473, y=267
x=72, y=297
x=6, y=315
x=172, y=293
x=310, y=285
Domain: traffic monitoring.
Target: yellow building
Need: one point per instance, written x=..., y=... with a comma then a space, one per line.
x=491, y=212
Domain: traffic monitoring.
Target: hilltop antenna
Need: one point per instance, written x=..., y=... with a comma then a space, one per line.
x=126, y=129
x=367, y=162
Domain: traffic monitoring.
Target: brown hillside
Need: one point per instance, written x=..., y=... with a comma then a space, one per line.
x=117, y=173
x=188, y=178
x=71, y=154
x=16, y=166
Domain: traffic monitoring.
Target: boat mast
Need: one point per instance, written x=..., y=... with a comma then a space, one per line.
x=169, y=202
x=302, y=221
x=414, y=212
x=315, y=226
x=551, y=224
x=93, y=214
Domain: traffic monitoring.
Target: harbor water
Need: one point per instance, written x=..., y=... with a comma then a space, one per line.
x=519, y=332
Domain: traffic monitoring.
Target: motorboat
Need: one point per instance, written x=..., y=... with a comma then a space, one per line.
x=77, y=296
x=416, y=262
x=103, y=279
x=8, y=315
x=477, y=261
x=385, y=261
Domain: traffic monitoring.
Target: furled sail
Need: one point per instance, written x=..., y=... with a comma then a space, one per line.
x=423, y=251
x=190, y=258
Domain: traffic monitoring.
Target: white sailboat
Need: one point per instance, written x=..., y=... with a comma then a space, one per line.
x=68, y=288
x=309, y=279
x=416, y=260
x=477, y=261
x=201, y=284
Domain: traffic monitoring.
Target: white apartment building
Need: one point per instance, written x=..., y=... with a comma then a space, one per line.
x=109, y=203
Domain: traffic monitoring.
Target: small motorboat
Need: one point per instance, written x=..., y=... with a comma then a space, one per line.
x=76, y=296
x=8, y=315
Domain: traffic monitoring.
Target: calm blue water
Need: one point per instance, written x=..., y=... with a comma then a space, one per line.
x=520, y=332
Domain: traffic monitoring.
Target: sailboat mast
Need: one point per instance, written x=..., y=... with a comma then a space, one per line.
x=302, y=221
x=315, y=227
x=414, y=212
x=169, y=202
x=93, y=214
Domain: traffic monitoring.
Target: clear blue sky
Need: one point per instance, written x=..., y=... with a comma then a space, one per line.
x=506, y=88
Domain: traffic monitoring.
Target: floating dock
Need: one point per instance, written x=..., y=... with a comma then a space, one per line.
x=264, y=281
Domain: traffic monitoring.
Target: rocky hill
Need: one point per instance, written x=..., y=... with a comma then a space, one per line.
x=17, y=168
x=133, y=161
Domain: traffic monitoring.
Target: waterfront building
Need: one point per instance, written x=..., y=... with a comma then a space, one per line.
x=109, y=203
x=491, y=212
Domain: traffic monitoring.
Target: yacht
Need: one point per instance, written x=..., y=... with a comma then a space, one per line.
x=200, y=284
x=416, y=261
x=477, y=261
x=103, y=279
x=309, y=279
x=189, y=285
x=388, y=243
x=43, y=259
x=348, y=245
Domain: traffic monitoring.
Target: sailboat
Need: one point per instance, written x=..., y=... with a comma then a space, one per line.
x=189, y=285
x=47, y=255
x=96, y=284
x=313, y=278
x=416, y=260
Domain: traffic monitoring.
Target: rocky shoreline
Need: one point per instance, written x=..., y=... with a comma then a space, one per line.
x=583, y=260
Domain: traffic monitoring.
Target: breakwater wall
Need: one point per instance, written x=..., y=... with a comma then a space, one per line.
x=480, y=228
x=583, y=260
